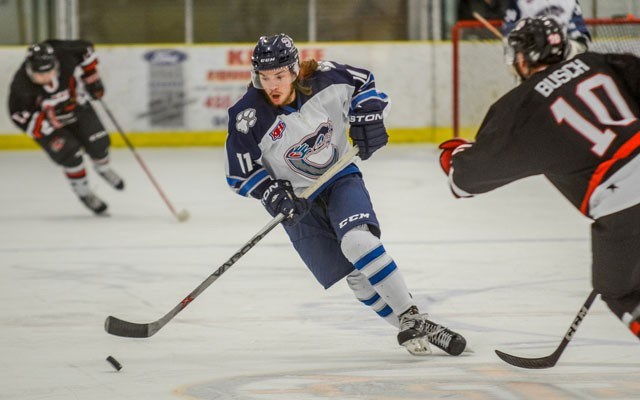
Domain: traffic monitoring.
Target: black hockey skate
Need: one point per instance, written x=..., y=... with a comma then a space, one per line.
x=112, y=178
x=416, y=330
x=93, y=203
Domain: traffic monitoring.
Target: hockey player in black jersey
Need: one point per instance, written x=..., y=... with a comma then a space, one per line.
x=290, y=127
x=576, y=122
x=50, y=100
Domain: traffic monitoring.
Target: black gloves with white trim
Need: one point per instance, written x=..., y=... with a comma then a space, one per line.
x=279, y=198
x=368, y=133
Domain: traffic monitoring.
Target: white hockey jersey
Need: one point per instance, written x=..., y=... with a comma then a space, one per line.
x=567, y=12
x=300, y=141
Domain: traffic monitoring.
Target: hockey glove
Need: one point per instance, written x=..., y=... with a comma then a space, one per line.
x=92, y=82
x=368, y=133
x=279, y=198
x=91, y=79
x=449, y=148
x=94, y=86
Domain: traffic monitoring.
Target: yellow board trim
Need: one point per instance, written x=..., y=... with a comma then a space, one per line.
x=217, y=138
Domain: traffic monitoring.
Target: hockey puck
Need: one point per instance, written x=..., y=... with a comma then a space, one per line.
x=114, y=363
x=183, y=215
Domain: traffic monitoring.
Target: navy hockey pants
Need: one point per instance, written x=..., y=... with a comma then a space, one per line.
x=343, y=205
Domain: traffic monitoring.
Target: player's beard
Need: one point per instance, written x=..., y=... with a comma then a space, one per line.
x=288, y=99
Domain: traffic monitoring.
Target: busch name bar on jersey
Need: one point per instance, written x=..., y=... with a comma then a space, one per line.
x=557, y=78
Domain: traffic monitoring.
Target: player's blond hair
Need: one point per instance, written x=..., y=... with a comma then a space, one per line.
x=307, y=69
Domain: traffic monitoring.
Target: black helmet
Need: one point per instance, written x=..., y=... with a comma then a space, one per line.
x=273, y=52
x=41, y=58
x=542, y=41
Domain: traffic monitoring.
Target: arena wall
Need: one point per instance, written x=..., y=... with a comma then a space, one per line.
x=177, y=95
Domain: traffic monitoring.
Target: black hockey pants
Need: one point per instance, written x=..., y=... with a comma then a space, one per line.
x=615, y=241
x=86, y=133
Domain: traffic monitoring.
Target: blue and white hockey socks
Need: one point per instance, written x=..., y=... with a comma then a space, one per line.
x=376, y=282
x=369, y=297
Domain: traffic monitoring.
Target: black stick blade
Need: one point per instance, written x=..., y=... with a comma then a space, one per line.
x=529, y=363
x=118, y=327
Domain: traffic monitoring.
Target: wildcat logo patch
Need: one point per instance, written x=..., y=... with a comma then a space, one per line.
x=246, y=119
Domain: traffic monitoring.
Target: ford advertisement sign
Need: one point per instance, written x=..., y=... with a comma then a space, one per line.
x=165, y=57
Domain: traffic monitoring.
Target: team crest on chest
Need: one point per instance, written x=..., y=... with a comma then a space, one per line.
x=314, y=153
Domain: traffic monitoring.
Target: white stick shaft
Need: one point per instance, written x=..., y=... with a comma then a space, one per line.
x=335, y=168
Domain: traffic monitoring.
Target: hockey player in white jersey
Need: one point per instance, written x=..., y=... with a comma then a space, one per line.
x=567, y=13
x=290, y=127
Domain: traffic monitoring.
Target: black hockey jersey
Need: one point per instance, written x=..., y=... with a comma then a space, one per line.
x=576, y=122
x=28, y=101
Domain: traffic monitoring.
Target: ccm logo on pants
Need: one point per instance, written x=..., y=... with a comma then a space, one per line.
x=353, y=218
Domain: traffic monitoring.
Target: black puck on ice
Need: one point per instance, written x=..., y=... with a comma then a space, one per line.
x=114, y=363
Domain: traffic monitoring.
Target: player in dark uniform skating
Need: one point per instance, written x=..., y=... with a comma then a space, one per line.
x=576, y=122
x=49, y=100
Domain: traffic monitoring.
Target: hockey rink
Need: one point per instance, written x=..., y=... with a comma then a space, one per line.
x=509, y=270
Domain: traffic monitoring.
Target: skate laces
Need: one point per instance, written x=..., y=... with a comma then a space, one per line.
x=416, y=328
x=435, y=333
x=440, y=336
x=412, y=321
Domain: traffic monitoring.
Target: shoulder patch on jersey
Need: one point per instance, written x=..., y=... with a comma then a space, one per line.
x=246, y=119
x=325, y=66
x=278, y=131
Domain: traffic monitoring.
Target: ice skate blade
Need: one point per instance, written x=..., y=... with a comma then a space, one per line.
x=418, y=347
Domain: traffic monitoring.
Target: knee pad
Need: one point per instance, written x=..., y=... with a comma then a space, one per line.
x=72, y=160
x=358, y=241
x=98, y=145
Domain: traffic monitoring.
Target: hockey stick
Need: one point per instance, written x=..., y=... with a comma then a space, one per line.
x=551, y=360
x=118, y=327
x=487, y=25
x=180, y=216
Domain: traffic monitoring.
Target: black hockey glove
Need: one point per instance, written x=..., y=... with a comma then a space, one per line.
x=368, y=132
x=91, y=78
x=95, y=88
x=279, y=198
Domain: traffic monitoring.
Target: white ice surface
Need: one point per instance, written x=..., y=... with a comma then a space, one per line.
x=509, y=270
